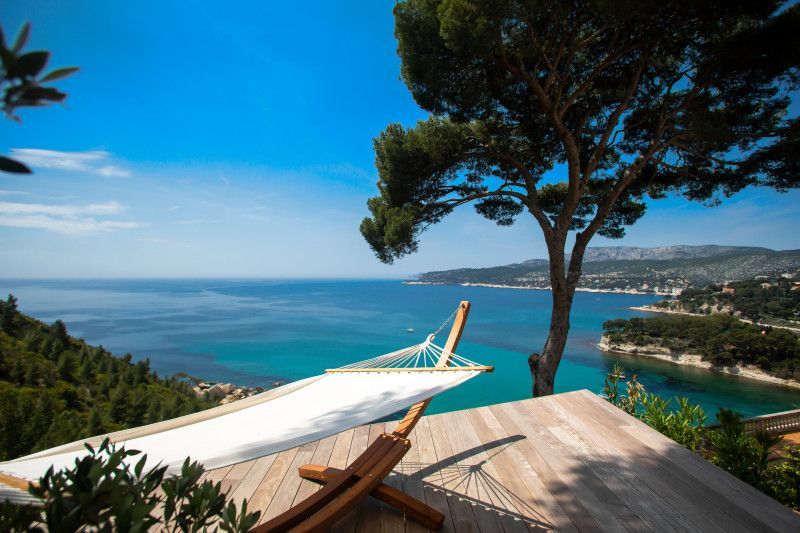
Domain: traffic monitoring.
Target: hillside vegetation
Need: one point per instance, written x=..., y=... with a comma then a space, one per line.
x=761, y=300
x=719, y=339
x=662, y=270
x=55, y=389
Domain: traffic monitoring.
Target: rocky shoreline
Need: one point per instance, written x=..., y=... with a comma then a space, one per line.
x=665, y=354
x=228, y=392
x=532, y=288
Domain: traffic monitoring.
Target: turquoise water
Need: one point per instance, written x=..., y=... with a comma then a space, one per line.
x=258, y=332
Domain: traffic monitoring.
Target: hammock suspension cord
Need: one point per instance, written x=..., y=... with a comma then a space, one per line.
x=426, y=356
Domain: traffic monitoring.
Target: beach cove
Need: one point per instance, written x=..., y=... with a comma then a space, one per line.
x=258, y=332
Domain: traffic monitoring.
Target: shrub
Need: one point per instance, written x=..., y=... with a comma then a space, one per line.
x=102, y=492
x=686, y=425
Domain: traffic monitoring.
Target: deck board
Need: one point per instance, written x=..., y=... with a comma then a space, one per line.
x=567, y=462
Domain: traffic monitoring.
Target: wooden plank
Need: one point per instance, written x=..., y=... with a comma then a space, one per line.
x=482, y=485
x=411, y=483
x=531, y=497
x=606, y=495
x=218, y=474
x=610, y=466
x=269, y=484
x=726, y=499
x=341, y=449
x=539, y=460
x=358, y=444
x=427, y=475
x=464, y=518
x=601, y=502
x=654, y=484
x=287, y=490
x=236, y=475
x=321, y=457
x=253, y=479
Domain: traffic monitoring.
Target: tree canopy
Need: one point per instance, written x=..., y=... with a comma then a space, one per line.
x=630, y=98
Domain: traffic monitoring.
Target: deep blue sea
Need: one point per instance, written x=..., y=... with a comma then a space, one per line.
x=257, y=332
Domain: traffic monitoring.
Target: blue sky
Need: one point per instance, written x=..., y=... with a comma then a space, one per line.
x=235, y=139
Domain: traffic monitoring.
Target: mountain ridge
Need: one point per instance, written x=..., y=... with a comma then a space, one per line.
x=659, y=270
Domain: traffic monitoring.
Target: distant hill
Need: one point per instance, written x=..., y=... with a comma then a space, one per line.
x=680, y=251
x=663, y=270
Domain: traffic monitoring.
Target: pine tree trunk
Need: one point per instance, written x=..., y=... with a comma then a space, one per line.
x=543, y=366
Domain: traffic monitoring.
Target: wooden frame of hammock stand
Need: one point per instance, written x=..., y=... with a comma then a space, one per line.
x=345, y=489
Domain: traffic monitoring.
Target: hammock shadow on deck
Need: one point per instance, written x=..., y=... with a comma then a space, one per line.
x=455, y=477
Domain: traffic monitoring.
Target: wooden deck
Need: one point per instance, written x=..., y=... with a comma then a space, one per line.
x=566, y=462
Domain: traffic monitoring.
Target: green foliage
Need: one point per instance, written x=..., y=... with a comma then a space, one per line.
x=55, y=389
x=686, y=425
x=22, y=84
x=635, y=390
x=744, y=455
x=783, y=478
x=720, y=339
x=108, y=490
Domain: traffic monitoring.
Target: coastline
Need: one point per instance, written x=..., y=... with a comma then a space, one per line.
x=531, y=288
x=654, y=309
x=665, y=354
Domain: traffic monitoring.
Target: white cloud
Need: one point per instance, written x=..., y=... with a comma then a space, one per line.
x=105, y=208
x=113, y=171
x=90, y=161
x=68, y=219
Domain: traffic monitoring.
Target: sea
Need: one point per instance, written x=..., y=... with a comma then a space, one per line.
x=265, y=332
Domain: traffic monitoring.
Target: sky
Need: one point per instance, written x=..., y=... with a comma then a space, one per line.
x=234, y=139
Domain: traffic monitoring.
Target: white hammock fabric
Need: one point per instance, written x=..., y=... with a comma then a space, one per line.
x=279, y=419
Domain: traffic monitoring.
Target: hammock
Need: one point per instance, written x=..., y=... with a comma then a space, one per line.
x=281, y=418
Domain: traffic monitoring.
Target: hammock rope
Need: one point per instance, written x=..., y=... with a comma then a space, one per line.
x=422, y=357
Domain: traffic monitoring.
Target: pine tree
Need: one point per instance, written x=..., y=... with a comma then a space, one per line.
x=119, y=398
x=94, y=424
x=9, y=314
x=66, y=366
x=60, y=332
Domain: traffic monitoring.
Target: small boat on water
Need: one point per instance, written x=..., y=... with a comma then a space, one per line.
x=410, y=330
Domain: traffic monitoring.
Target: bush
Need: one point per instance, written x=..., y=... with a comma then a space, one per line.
x=686, y=425
x=729, y=446
x=103, y=493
